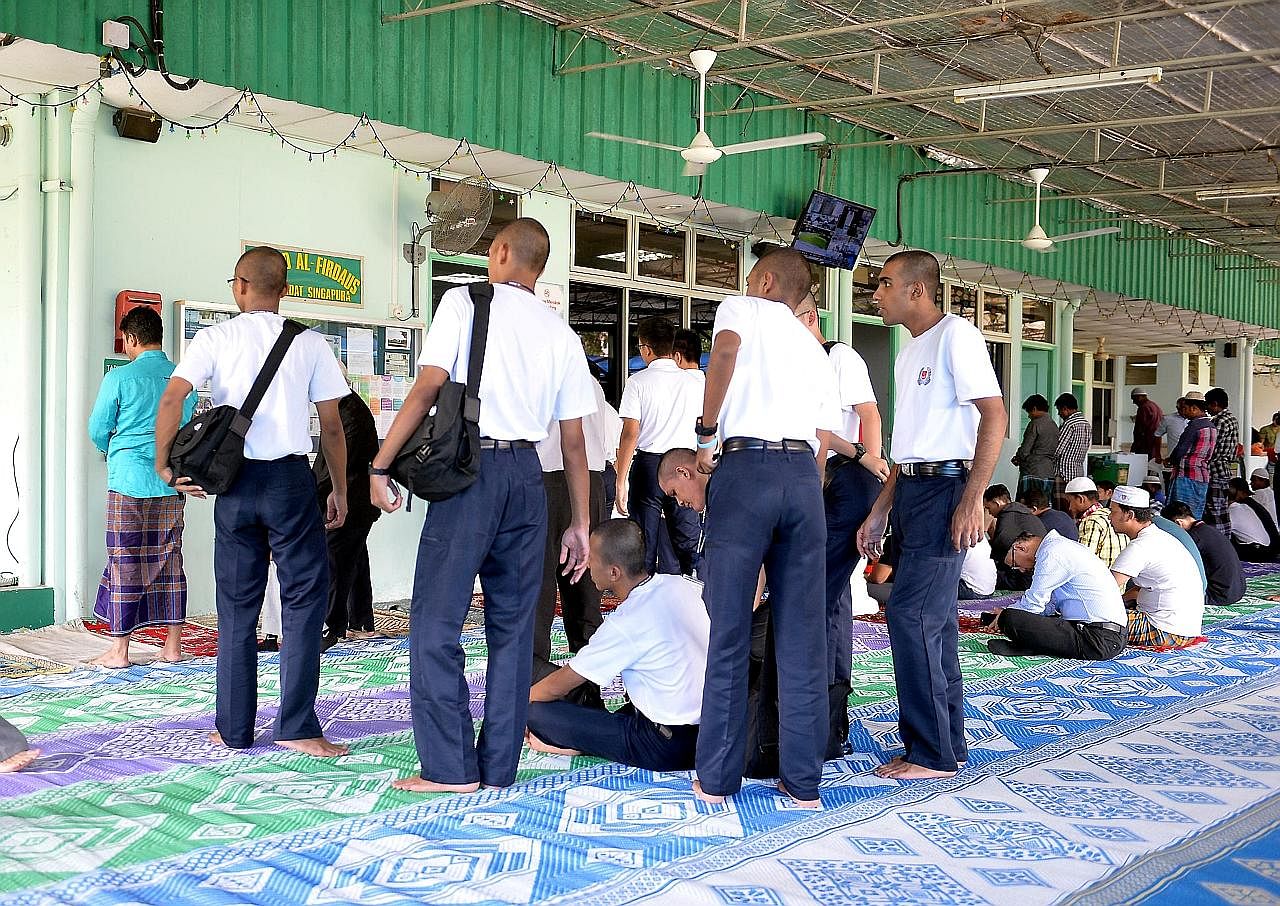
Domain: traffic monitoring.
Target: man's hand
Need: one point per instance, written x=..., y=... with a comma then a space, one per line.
x=871, y=534
x=335, y=511
x=381, y=495
x=968, y=523
x=620, y=495
x=183, y=484
x=706, y=460
x=573, y=551
x=875, y=465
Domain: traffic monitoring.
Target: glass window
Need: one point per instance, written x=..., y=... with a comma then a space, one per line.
x=445, y=275
x=1077, y=366
x=1193, y=369
x=964, y=302
x=1104, y=370
x=648, y=305
x=999, y=353
x=995, y=312
x=865, y=280
x=702, y=319
x=718, y=261
x=506, y=208
x=660, y=254
x=595, y=314
x=600, y=242
x=1213, y=371
x=1140, y=370
x=1103, y=406
x=1037, y=320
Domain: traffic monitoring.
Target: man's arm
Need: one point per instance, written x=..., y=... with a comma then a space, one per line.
x=334, y=444
x=967, y=524
x=724, y=358
x=1186, y=443
x=574, y=541
x=871, y=533
x=626, y=452
x=422, y=396
x=168, y=416
x=873, y=439
x=556, y=686
x=1028, y=441
x=103, y=417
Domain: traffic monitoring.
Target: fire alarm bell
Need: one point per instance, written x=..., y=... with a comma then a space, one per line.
x=129, y=299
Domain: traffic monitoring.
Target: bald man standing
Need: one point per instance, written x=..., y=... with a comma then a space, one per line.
x=534, y=372
x=949, y=421
x=271, y=509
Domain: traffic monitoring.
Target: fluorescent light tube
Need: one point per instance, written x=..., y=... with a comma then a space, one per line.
x=1254, y=190
x=1102, y=78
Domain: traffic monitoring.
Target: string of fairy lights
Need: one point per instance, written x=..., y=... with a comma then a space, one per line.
x=631, y=199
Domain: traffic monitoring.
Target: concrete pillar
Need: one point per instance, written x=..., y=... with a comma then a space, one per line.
x=1065, y=338
x=1235, y=376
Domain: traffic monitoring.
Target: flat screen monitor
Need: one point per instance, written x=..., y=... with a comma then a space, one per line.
x=830, y=231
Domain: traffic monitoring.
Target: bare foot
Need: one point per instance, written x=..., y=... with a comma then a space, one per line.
x=800, y=803
x=359, y=634
x=539, y=746
x=319, y=747
x=112, y=661
x=889, y=766
x=174, y=658
x=704, y=796
x=419, y=785
x=19, y=761
x=905, y=770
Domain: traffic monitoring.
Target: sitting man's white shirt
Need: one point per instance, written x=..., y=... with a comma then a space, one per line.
x=657, y=640
x=1246, y=527
x=1267, y=497
x=979, y=569
x=1069, y=580
x=1169, y=589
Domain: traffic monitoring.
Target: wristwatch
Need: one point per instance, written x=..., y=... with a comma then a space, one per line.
x=703, y=430
x=373, y=471
x=862, y=451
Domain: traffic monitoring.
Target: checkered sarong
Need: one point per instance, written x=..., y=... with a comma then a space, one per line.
x=1144, y=633
x=143, y=583
x=1215, y=507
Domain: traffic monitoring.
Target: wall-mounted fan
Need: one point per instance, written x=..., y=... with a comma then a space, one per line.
x=456, y=218
x=702, y=152
x=1036, y=239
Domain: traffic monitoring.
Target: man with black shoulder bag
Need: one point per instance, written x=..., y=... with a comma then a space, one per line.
x=475, y=459
x=265, y=372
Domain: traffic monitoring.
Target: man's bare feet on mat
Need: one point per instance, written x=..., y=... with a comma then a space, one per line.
x=800, y=803
x=19, y=761
x=905, y=770
x=704, y=796
x=111, y=661
x=419, y=785
x=319, y=747
x=539, y=746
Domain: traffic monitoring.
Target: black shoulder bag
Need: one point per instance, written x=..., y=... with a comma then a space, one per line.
x=442, y=457
x=209, y=449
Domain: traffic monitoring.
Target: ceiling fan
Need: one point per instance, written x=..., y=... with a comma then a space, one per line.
x=702, y=151
x=1036, y=239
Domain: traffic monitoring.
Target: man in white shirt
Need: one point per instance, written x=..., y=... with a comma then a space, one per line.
x=270, y=510
x=1073, y=608
x=580, y=599
x=1167, y=587
x=534, y=372
x=770, y=398
x=949, y=420
x=1260, y=483
x=1253, y=532
x=658, y=409
x=656, y=639
x=1171, y=428
x=855, y=472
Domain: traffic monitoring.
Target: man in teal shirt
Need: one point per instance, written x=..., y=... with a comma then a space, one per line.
x=143, y=583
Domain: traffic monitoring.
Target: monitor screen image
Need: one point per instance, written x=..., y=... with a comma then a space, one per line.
x=831, y=230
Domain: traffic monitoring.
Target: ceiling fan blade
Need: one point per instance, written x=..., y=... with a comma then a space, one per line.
x=978, y=239
x=692, y=169
x=633, y=141
x=1100, y=231
x=765, y=144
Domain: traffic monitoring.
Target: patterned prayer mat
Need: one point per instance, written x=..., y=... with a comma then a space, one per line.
x=197, y=640
x=1127, y=779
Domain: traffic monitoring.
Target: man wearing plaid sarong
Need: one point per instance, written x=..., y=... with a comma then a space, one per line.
x=1222, y=464
x=143, y=583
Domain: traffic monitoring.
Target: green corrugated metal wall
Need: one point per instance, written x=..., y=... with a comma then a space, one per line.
x=485, y=73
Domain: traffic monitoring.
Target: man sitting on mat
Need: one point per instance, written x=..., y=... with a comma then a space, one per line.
x=656, y=639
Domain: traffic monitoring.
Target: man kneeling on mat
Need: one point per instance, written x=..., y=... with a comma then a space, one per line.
x=656, y=639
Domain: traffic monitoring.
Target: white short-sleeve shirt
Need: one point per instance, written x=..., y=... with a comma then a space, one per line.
x=783, y=385
x=1169, y=588
x=228, y=356
x=853, y=388
x=602, y=430
x=937, y=377
x=657, y=640
x=1246, y=527
x=534, y=368
x=666, y=400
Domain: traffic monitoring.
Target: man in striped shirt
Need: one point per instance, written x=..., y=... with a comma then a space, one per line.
x=1191, y=457
x=1222, y=465
x=1093, y=520
x=1074, y=438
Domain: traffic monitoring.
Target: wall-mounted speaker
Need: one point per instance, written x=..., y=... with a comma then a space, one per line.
x=139, y=125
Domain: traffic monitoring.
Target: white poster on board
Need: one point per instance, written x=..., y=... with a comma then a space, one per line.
x=552, y=294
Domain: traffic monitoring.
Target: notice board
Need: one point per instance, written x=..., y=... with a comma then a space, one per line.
x=381, y=356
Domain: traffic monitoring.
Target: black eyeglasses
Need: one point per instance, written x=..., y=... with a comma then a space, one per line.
x=231, y=280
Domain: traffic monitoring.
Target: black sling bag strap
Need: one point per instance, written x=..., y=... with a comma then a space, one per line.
x=209, y=449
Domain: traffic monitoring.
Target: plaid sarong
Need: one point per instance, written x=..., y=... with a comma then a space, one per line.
x=143, y=583
x=1145, y=634
x=1215, y=507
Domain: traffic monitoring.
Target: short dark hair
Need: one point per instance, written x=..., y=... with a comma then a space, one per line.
x=1035, y=403
x=1177, y=510
x=1239, y=484
x=658, y=333
x=1066, y=401
x=995, y=492
x=1025, y=536
x=1105, y=485
x=528, y=241
x=674, y=459
x=920, y=267
x=143, y=325
x=764, y=247
x=1035, y=498
x=1141, y=513
x=268, y=269
x=792, y=273
x=1218, y=397
x=688, y=343
x=621, y=544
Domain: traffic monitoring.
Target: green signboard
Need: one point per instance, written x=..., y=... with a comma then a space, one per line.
x=322, y=277
x=110, y=364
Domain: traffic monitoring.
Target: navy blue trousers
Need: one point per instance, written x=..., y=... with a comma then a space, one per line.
x=270, y=510
x=923, y=626
x=765, y=508
x=625, y=736
x=659, y=514
x=848, y=496
x=495, y=529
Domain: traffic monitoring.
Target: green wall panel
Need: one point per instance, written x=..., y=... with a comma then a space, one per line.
x=485, y=73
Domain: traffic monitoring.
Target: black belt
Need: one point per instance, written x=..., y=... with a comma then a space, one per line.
x=1112, y=627
x=488, y=443
x=947, y=468
x=736, y=444
x=292, y=457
